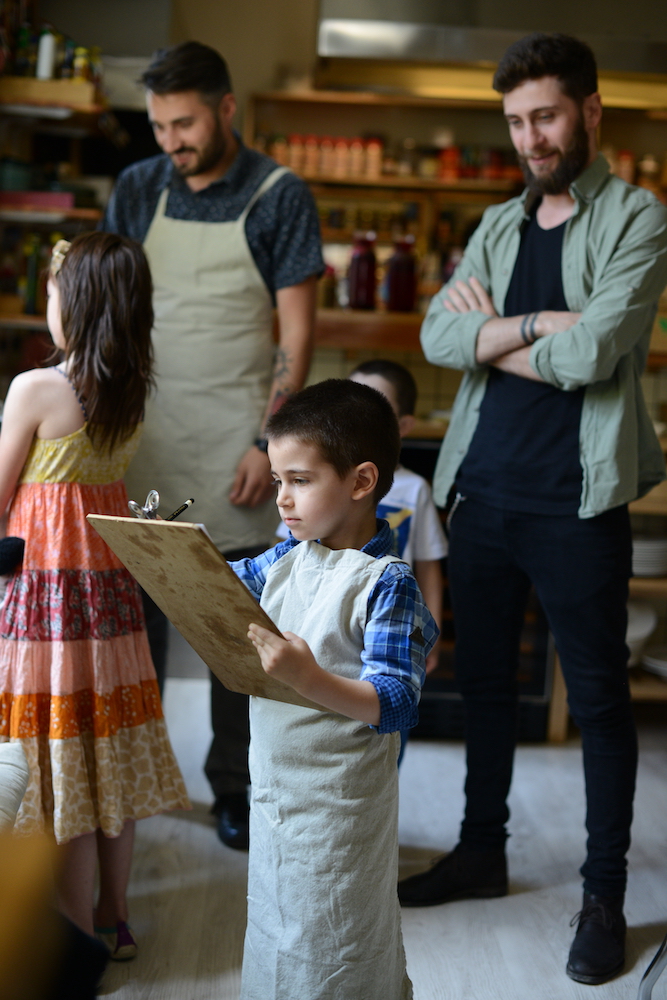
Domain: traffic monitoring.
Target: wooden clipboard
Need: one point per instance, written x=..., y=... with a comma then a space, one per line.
x=178, y=565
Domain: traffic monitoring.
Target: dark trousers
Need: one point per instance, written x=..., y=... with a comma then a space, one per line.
x=226, y=765
x=580, y=570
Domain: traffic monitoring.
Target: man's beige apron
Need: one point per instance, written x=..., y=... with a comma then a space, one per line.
x=214, y=359
x=323, y=913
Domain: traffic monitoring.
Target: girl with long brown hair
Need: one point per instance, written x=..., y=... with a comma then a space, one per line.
x=77, y=684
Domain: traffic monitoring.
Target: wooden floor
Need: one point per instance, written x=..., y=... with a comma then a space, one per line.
x=188, y=890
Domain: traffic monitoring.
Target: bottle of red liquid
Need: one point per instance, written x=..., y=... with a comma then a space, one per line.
x=402, y=276
x=361, y=275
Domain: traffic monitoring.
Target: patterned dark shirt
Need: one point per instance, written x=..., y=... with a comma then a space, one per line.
x=282, y=228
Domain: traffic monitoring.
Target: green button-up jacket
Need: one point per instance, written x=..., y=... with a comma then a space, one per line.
x=614, y=268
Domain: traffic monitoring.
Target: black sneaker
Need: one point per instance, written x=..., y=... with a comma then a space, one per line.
x=462, y=874
x=598, y=950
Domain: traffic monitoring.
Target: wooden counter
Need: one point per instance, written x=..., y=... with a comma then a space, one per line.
x=360, y=329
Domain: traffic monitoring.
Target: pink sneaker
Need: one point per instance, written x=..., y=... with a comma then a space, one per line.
x=119, y=940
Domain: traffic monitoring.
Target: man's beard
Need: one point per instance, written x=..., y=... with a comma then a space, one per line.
x=570, y=165
x=206, y=158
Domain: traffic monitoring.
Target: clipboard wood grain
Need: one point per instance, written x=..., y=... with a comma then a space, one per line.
x=180, y=568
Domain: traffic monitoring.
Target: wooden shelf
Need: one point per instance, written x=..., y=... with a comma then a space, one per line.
x=22, y=321
x=50, y=215
x=648, y=586
x=645, y=686
x=465, y=184
x=349, y=329
x=457, y=87
x=368, y=98
x=655, y=502
x=23, y=95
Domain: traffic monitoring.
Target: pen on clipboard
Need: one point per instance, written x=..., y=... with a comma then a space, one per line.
x=179, y=510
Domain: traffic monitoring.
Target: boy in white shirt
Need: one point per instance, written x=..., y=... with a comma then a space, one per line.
x=408, y=506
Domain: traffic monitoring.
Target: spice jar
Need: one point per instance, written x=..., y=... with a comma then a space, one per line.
x=279, y=150
x=450, y=163
x=81, y=67
x=357, y=157
x=311, y=150
x=373, y=158
x=626, y=166
x=341, y=158
x=327, y=160
x=295, y=153
x=402, y=276
x=648, y=173
x=361, y=275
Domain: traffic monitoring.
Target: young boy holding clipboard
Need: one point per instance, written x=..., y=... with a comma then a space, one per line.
x=323, y=916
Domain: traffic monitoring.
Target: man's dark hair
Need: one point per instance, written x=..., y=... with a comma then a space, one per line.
x=539, y=54
x=347, y=422
x=189, y=66
x=404, y=385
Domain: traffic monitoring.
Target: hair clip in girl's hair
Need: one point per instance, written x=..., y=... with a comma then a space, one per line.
x=58, y=255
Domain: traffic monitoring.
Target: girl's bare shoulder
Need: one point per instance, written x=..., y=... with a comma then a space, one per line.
x=38, y=376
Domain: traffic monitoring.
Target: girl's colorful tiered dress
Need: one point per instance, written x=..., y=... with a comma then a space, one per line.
x=77, y=684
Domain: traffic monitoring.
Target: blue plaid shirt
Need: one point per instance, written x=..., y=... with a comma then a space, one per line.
x=399, y=634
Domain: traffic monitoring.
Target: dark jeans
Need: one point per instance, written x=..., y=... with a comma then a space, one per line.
x=580, y=570
x=226, y=765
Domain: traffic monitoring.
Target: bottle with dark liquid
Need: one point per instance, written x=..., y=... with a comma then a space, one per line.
x=402, y=276
x=361, y=275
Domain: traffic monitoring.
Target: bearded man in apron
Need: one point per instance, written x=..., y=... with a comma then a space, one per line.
x=227, y=234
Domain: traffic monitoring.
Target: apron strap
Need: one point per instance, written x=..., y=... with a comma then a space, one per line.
x=265, y=186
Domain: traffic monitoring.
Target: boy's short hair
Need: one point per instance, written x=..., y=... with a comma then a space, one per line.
x=399, y=377
x=347, y=422
x=540, y=54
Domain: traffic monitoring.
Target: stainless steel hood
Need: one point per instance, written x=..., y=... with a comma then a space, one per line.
x=420, y=40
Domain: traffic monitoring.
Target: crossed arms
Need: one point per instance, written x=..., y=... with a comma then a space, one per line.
x=614, y=270
x=505, y=342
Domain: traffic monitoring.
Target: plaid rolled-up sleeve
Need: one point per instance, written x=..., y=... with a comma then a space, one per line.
x=253, y=572
x=400, y=632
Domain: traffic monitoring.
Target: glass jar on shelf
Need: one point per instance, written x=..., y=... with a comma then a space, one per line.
x=341, y=157
x=327, y=157
x=373, y=165
x=407, y=158
x=357, y=157
x=311, y=155
x=295, y=153
x=279, y=150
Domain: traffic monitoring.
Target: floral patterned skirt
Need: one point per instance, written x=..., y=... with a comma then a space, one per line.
x=77, y=684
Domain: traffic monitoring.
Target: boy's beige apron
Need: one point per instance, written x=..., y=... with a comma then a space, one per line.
x=323, y=913
x=214, y=355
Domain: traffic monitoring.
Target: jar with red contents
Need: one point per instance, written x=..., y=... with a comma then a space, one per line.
x=402, y=276
x=361, y=275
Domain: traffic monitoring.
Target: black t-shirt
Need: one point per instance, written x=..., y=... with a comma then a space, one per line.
x=524, y=455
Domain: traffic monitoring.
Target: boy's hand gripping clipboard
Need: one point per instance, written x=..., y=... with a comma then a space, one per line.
x=180, y=568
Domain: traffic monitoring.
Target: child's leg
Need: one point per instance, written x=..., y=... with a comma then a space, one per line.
x=76, y=884
x=115, y=856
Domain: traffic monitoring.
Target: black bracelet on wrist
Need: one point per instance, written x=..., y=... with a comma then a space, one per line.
x=528, y=328
x=531, y=330
x=262, y=444
x=524, y=323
